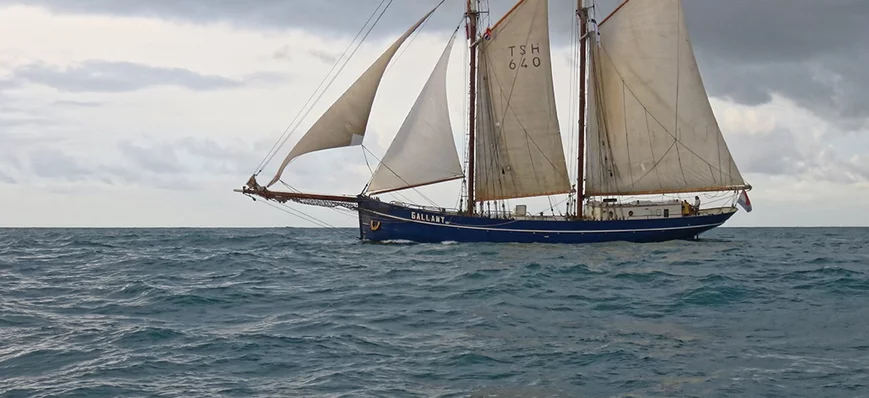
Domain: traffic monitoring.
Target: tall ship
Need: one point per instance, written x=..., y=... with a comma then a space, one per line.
x=646, y=136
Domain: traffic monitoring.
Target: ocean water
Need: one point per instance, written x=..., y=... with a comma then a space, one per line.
x=301, y=312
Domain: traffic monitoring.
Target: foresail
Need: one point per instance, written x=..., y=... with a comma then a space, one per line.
x=344, y=123
x=519, y=151
x=651, y=128
x=423, y=151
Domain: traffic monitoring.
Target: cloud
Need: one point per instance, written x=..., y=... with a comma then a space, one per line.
x=189, y=155
x=805, y=50
x=77, y=104
x=114, y=77
x=784, y=152
x=285, y=53
x=16, y=121
x=6, y=84
x=177, y=163
x=55, y=164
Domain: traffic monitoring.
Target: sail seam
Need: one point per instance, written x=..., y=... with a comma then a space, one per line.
x=652, y=150
x=678, y=80
x=399, y=177
x=627, y=136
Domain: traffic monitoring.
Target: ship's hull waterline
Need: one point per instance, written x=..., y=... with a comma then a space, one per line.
x=380, y=221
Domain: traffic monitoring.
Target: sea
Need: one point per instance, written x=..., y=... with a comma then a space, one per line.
x=293, y=312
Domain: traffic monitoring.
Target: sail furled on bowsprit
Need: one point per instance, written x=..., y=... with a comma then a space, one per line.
x=345, y=122
x=423, y=151
x=651, y=128
x=518, y=149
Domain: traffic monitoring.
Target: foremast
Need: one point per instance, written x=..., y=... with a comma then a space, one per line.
x=472, y=89
x=582, y=14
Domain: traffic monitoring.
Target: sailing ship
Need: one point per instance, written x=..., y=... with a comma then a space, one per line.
x=645, y=128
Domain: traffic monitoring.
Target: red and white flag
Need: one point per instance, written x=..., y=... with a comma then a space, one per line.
x=744, y=201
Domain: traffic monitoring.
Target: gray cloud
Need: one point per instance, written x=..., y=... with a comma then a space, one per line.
x=112, y=77
x=179, y=163
x=785, y=153
x=859, y=167
x=285, y=53
x=16, y=121
x=77, y=104
x=182, y=164
x=754, y=155
x=7, y=84
x=5, y=178
x=55, y=164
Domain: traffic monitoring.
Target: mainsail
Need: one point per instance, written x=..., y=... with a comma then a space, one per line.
x=651, y=128
x=423, y=151
x=344, y=123
x=519, y=151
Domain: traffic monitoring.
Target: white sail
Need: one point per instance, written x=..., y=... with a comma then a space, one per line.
x=423, y=151
x=654, y=130
x=519, y=151
x=344, y=123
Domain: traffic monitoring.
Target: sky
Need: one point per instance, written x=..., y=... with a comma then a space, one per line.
x=134, y=113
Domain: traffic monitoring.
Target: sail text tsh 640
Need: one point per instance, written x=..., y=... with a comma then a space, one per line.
x=519, y=149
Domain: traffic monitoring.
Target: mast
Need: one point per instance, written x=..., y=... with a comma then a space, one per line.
x=582, y=13
x=472, y=35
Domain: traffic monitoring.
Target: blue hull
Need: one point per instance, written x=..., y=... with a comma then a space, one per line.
x=380, y=221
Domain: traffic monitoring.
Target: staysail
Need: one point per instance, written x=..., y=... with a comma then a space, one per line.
x=423, y=151
x=344, y=123
x=651, y=128
x=519, y=151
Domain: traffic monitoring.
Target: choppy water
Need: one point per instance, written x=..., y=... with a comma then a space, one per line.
x=290, y=312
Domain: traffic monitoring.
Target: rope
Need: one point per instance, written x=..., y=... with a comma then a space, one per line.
x=300, y=214
x=399, y=177
x=294, y=124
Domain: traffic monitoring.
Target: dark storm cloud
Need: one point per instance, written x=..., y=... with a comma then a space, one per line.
x=106, y=76
x=812, y=52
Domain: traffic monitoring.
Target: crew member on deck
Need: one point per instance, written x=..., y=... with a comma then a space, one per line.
x=696, y=205
x=686, y=208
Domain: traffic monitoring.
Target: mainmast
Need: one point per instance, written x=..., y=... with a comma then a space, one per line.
x=472, y=37
x=582, y=14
